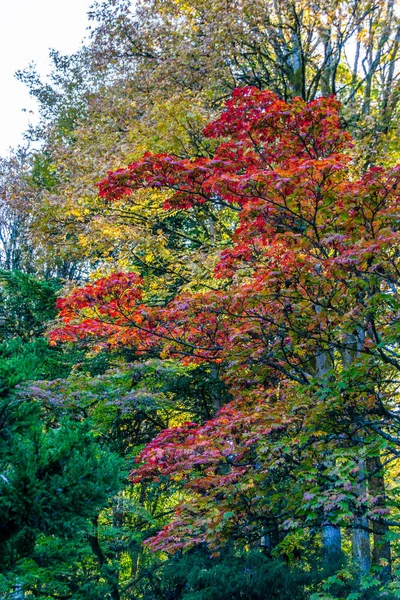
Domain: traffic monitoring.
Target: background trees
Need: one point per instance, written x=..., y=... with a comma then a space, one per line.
x=150, y=79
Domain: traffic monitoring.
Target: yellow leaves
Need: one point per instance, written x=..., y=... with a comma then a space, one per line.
x=319, y=433
x=171, y=125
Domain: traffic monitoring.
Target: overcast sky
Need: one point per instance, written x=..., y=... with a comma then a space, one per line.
x=28, y=28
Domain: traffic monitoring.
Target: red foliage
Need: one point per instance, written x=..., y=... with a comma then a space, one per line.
x=314, y=261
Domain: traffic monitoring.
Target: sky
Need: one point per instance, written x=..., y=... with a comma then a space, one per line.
x=28, y=29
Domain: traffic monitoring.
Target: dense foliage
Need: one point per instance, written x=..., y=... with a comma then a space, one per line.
x=199, y=351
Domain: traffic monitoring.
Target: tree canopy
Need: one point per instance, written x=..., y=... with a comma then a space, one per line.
x=199, y=356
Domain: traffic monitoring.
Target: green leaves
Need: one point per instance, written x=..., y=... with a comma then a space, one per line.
x=26, y=305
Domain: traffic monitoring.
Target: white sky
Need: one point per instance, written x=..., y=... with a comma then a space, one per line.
x=28, y=28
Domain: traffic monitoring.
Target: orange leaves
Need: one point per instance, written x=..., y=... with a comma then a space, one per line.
x=122, y=288
x=312, y=275
x=110, y=311
x=297, y=129
x=264, y=133
x=307, y=236
x=100, y=309
x=303, y=228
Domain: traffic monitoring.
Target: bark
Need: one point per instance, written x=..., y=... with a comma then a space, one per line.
x=390, y=92
x=102, y=559
x=331, y=535
x=381, y=555
x=271, y=538
x=135, y=558
x=361, y=550
x=266, y=543
x=18, y=592
x=332, y=545
x=215, y=394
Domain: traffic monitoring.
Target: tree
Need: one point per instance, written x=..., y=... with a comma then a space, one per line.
x=16, y=199
x=346, y=48
x=149, y=79
x=55, y=479
x=311, y=277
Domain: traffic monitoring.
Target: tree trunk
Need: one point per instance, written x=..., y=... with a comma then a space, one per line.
x=381, y=555
x=331, y=536
x=18, y=593
x=361, y=551
x=332, y=546
x=360, y=543
x=97, y=550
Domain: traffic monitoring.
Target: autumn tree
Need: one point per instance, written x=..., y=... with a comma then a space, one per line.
x=346, y=48
x=151, y=76
x=303, y=328
x=274, y=266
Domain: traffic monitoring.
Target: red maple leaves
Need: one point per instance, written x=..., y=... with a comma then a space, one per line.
x=312, y=272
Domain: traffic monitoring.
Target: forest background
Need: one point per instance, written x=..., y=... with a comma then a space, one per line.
x=215, y=414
